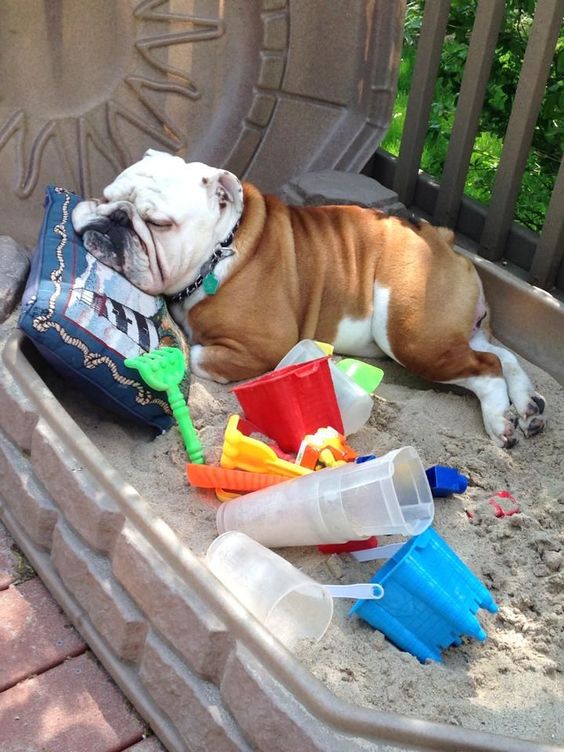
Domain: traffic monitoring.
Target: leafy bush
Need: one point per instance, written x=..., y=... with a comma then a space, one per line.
x=544, y=157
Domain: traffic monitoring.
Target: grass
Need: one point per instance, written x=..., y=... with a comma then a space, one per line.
x=542, y=164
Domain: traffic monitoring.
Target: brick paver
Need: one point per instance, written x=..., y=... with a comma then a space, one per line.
x=54, y=696
x=34, y=633
x=74, y=707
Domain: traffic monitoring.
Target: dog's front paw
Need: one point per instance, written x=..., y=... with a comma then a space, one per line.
x=502, y=429
x=508, y=436
x=532, y=421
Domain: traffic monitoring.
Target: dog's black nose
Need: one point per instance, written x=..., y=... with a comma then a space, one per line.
x=121, y=218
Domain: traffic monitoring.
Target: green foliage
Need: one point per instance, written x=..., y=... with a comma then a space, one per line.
x=548, y=139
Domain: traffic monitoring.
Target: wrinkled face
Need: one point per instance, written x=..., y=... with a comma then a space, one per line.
x=160, y=220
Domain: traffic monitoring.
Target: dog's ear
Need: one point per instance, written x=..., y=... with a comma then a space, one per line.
x=225, y=188
x=225, y=194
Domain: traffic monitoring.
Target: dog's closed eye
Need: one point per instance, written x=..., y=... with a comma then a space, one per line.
x=164, y=224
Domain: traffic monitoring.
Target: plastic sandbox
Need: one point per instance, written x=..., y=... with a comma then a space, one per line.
x=231, y=84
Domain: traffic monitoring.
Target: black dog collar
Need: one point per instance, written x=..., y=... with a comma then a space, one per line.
x=206, y=278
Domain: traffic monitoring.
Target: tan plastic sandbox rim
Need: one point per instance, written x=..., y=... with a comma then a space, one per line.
x=371, y=725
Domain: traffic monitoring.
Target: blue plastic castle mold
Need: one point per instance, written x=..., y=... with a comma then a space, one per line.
x=445, y=481
x=430, y=598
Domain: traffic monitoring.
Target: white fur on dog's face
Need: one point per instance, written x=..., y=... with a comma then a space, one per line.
x=161, y=219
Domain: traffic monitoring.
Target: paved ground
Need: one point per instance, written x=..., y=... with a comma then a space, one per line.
x=54, y=695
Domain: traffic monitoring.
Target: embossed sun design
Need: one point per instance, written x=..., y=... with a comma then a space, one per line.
x=88, y=77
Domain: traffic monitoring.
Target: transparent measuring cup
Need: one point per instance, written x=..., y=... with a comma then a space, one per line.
x=288, y=602
x=388, y=495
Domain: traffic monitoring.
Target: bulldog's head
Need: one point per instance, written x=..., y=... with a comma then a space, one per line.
x=160, y=220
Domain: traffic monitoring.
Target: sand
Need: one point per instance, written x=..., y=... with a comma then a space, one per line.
x=511, y=683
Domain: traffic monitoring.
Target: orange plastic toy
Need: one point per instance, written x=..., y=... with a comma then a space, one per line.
x=208, y=476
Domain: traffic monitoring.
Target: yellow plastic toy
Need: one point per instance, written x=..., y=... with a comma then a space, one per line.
x=222, y=495
x=326, y=347
x=245, y=453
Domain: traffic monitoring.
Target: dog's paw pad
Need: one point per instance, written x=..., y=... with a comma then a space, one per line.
x=507, y=438
x=538, y=405
x=535, y=406
x=508, y=441
x=532, y=426
x=533, y=421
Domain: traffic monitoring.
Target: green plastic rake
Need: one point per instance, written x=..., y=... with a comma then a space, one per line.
x=163, y=369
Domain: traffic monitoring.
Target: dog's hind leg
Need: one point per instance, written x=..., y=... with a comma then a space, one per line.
x=494, y=401
x=456, y=362
x=529, y=404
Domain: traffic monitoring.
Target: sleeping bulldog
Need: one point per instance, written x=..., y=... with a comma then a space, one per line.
x=247, y=277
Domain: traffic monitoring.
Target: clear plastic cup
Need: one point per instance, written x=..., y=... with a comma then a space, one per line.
x=389, y=495
x=288, y=602
x=354, y=403
x=305, y=350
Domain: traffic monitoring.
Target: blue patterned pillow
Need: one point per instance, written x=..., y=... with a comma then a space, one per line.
x=86, y=319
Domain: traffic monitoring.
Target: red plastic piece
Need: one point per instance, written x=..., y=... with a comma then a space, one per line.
x=499, y=510
x=289, y=403
x=345, y=548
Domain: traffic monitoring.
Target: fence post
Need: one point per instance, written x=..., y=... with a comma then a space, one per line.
x=519, y=134
x=427, y=59
x=472, y=91
x=550, y=248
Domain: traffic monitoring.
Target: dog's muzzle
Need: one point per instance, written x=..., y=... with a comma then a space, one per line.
x=109, y=234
